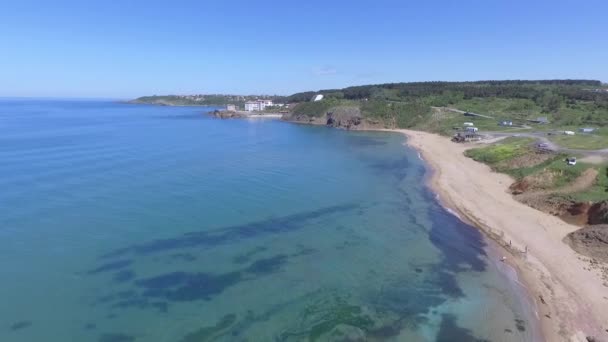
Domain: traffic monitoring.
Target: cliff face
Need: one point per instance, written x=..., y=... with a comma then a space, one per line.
x=598, y=213
x=573, y=212
x=340, y=117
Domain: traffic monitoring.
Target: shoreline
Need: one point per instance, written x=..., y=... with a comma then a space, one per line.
x=571, y=303
x=259, y=115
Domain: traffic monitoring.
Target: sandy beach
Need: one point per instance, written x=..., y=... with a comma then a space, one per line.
x=571, y=298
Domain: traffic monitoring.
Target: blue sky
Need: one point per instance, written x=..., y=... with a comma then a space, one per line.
x=124, y=49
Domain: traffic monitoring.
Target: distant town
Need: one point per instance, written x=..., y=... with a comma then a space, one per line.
x=264, y=104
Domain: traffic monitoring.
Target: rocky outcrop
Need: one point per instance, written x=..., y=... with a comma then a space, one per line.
x=591, y=241
x=225, y=114
x=579, y=208
x=344, y=117
x=519, y=187
x=339, y=117
x=304, y=119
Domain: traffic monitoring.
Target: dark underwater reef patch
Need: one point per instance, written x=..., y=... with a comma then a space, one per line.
x=446, y=281
x=303, y=251
x=246, y=257
x=123, y=276
x=399, y=168
x=333, y=316
x=267, y=265
x=411, y=297
x=141, y=303
x=111, y=266
x=184, y=286
x=449, y=331
x=116, y=296
x=461, y=249
x=178, y=286
x=210, y=333
x=183, y=256
x=363, y=141
x=116, y=337
x=321, y=316
x=209, y=238
x=461, y=246
x=20, y=325
x=189, y=286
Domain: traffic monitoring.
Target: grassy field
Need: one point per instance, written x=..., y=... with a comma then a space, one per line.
x=499, y=155
x=501, y=109
x=594, y=141
x=502, y=151
x=570, y=116
x=573, y=114
x=447, y=123
x=597, y=193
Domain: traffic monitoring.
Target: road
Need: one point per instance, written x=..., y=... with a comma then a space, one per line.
x=463, y=112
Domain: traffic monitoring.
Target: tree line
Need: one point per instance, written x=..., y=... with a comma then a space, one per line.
x=547, y=93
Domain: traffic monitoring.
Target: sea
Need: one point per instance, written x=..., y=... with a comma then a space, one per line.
x=130, y=223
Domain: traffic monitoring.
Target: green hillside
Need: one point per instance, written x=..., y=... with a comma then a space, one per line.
x=569, y=103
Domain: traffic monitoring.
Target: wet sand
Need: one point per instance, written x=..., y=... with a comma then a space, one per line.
x=571, y=300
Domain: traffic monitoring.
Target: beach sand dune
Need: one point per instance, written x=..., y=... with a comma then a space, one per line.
x=571, y=298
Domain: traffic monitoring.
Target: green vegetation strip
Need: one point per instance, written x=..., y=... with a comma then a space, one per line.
x=581, y=141
x=499, y=155
x=504, y=150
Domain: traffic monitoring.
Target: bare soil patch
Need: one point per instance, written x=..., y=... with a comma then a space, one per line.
x=591, y=241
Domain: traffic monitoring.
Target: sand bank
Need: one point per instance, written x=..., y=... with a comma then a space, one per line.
x=571, y=298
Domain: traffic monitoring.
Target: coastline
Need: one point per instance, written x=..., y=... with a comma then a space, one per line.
x=571, y=301
x=260, y=115
x=570, y=298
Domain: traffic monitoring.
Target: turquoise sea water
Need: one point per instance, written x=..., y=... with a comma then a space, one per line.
x=138, y=223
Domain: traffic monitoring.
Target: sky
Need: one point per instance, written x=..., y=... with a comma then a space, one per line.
x=125, y=49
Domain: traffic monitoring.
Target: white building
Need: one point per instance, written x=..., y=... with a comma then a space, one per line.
x=251, y=106
x=258, y=105
x=231, y=108
x=318, y=97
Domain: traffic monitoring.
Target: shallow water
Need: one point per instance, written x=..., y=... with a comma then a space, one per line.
x=138, y=223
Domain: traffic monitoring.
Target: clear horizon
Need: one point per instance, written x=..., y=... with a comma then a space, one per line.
x=68, y=49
